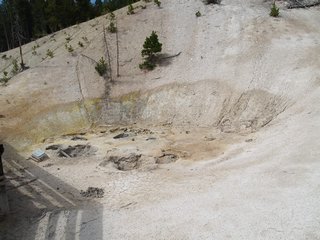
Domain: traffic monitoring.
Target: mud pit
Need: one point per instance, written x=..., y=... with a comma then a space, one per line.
x=133, y=148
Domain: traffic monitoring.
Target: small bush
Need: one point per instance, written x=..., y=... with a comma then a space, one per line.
x=112, y=16
x=4, y=57
x=68, y=39
x=143, y=6
x=15, y=67
x=69, y=48
x=5, y=78
x=157, y=2
x=80, y=44
x=130, y=9
x=147, y=65
x=198, y=14
x=274, y=11
x=34, y=52
x=151, y=47
x=112, y=27
x=49, y=53
x=101, y=67
x=85, y=39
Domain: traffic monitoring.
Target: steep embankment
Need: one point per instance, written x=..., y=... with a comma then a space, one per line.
x=238, y=69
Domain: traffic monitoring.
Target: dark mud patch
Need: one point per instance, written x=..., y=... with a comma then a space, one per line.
x=92, y=192
x=167, y=158
x=123, y=163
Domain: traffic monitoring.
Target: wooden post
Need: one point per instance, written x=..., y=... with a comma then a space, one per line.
x=4, y=205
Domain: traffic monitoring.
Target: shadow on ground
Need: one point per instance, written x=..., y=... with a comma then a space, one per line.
x=44, y=207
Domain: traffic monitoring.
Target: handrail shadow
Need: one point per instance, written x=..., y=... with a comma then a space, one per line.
x=43, y=206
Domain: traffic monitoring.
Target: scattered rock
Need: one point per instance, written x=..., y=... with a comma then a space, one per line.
x=92, y=192
x=302, y=3
x=76, y=151
x=54, y=147
x=123, y=163
x=150, y=138
x=48, y=165
x=121, y=135
x=209, y=139
x=113, y=130
x=76, y=138
x=166, y=158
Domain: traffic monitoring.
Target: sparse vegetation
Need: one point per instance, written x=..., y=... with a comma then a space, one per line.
x=147, y=65
x=112, y=27
x=157, y=2
x=4, y=57
x=130, y=9
x=69, y=48
x=151, y=47
x=101, y=67
x=112, y=16
x=80, y=44
x=85, y=39
x=50, y=53
x=68, y=39
x=5, y=78
x=15, y=67
x=198, y=14
x=274, y=11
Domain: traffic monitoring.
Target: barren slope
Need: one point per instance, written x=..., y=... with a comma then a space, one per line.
x=248, y=81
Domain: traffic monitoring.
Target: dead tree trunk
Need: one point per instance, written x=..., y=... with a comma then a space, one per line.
x=107, y=53
x=117, y=40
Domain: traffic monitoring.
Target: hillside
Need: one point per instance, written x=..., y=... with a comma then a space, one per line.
x=236, y=76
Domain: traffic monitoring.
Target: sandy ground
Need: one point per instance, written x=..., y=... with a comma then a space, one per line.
x=226, y=133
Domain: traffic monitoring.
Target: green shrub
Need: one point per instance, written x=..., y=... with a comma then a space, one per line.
x=198, y=14
x=15, y=67
x=49, y=53
x=157, y=2
x=112, y=16
x=69, y=48
x=101, y=67
x=147, y=65
x=5, y=78
x=274, y=11
x=151, y=47
x=112, y=27
x=130, y=9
